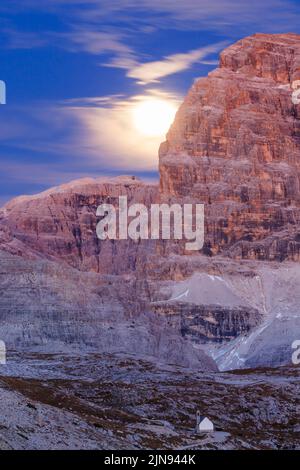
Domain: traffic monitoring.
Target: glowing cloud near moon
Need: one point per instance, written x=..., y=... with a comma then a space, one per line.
x=129, y=129
x=153, y=117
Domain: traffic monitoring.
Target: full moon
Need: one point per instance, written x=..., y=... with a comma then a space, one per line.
x=153, y=117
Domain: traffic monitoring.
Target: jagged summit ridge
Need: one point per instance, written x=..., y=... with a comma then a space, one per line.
x=273, y=56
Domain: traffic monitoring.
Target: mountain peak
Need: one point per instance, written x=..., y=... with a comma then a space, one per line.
x=235, y=146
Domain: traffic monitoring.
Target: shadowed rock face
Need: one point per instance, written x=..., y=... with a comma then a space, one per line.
x=235, y=146
x=209, y=323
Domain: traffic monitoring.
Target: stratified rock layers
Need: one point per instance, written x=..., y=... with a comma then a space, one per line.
x=61, y=224
x=235, y=146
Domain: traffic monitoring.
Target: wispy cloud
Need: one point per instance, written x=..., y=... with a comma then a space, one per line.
x=128, y=18
x=153, y=71
x=99, y=138
x=226, y=16
x=13, y=39
x=108, y=135
x=113, y=28
x=94, y=42
x=99, y=134
x=76, y=39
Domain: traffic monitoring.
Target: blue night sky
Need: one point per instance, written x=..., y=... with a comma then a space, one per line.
x=75, y=70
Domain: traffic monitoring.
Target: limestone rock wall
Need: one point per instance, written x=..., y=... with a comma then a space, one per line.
x=235, y=146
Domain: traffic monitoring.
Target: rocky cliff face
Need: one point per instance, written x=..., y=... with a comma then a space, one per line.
x=61, y=225
x=235, y=145
x=50, y=307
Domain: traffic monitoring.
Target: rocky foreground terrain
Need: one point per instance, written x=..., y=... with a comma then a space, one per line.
x=94, y=401
x=116, y=344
